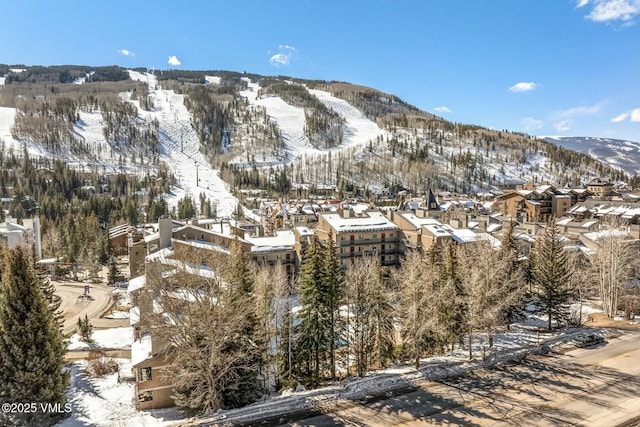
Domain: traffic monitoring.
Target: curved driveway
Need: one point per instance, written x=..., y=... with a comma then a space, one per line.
x=73, y=307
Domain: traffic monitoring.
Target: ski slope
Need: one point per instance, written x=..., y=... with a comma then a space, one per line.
x=357, y=129
x=179, y=149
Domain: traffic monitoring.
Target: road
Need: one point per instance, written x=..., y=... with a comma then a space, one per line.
x=598, y=386
x=72, y=307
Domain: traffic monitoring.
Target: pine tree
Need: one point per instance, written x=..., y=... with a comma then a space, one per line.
x=552, y=275
x=313, y=332
x=31, y=343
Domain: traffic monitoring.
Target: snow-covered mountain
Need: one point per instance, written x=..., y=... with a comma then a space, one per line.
x=618, y=153
x=217, y=132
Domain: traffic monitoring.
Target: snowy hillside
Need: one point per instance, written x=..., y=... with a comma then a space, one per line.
x=618, y=153
x=358, y=130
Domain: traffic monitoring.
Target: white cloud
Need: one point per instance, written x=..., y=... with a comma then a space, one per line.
x=126, y=52
x=530, y=123
x=633, y=115
x=562, y=126
x=620, y=118
x=283, y=57
x=523, y=87
x=173, y=60
x=612, y=10
x=442, y=109
x=581, y=110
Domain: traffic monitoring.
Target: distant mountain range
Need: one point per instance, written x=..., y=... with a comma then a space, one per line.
x=619, y=153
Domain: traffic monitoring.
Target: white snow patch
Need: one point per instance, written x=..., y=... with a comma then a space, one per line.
x=114, y=338
x=216, y=80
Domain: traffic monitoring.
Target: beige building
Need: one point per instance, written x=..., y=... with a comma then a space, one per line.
x=361, y=234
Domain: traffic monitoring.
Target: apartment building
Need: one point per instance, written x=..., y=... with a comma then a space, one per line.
x=358, y=234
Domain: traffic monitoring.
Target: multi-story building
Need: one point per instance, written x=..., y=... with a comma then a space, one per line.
x=361, y=234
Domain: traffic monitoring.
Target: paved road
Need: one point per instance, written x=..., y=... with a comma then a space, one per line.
x=72, y=307
x=598, y=386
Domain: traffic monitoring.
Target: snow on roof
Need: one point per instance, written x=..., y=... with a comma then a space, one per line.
x=282, y=241
x=437, y=230
x=205, y=245
x=463, y=235
x=305, y=231
x=134, y=315
x=494, y=227
x=160, y=255
x=564, y=221
x=578, y=209
x=47, y=261
x=588, y=224
x=141, y=350
x=418, y=222
x=602, y=234
x=151, y=237
x=370, y=221
x=137, y=283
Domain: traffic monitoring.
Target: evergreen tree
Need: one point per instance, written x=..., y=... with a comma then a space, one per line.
x=85, y=329
x=313, y=332
x=49, y=290
x=515, y=292
x=334, y=293
x=31, y=343
x=453, y=310
x=552, y=275
x=244, y=386
x=113, y=273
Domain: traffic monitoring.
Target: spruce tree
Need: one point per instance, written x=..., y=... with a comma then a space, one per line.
x=515, y=274
x=313, y=334
x=552, y=276
x=334, y=293
x=31, y=342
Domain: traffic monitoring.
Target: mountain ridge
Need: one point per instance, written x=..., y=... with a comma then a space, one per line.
x=254, y=138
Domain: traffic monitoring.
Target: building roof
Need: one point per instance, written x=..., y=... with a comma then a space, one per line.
x=418, y=222
x=141, y=350
x=284, y=240
x=370, y=221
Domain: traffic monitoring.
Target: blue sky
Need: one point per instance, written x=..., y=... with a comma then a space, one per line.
x=544, y=67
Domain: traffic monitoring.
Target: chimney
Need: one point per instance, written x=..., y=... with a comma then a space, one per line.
x=38, y=238
x=165, y=226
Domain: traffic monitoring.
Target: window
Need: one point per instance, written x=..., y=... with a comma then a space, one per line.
x=288, y=257
x=145, y=374
x=145, y=396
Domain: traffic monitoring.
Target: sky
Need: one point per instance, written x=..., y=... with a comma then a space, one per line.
x=543, y=67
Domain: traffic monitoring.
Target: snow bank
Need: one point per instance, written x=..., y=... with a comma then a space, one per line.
x=114, y=338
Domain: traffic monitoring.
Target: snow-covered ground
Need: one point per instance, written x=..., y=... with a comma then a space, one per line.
x=113, y=338
x=107, y=402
